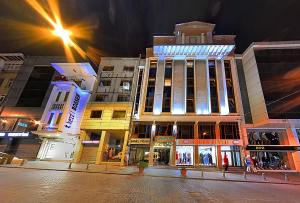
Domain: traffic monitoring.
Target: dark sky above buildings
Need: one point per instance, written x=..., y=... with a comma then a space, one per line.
x=126, y=27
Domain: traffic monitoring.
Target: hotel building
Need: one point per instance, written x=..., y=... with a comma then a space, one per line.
x=188, y=107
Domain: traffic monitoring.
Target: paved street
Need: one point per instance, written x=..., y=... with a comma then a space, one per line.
x=30, y=185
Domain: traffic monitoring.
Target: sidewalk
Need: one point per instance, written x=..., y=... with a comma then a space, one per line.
x=171, y=172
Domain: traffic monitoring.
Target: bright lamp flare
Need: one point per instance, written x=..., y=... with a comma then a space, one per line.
x=51, y=14
x=63, y=34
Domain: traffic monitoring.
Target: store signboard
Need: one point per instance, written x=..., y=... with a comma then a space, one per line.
x=14, y=134
x=276, y=148
x=164, y=139
x=144, y=141
x=207, y=142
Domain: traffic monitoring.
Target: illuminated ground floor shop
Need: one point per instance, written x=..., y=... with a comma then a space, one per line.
x=274, y=149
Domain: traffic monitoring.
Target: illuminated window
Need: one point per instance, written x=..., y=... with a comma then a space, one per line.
x=151, y=87
x=96, y=114
x=119, y=114
x=166, y=105
x=50, y=118
x=206, y=130
x=229, y=86
x=190, y=92
x=213, y=87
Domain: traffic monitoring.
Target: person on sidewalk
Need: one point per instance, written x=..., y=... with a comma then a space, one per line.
x=248, y=163
x=225, y=162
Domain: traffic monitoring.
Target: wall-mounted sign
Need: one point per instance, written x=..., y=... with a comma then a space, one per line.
x=144, y=141
x=73, y=111
x=207, y=142
x=164, y=139
x=277, y=148
x=14, y=134
x=22, y=124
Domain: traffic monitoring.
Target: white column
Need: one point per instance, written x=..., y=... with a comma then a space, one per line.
x=159, y=87
x=178, y=87
x=222, y=89
x=202, y=86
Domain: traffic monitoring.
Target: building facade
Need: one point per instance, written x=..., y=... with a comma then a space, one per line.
x=60, y=122
x=272, y=78
x=24, y=106
x=188, y=110
x=107, y=118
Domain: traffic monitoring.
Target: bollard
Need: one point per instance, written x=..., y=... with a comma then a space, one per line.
x=202, y=174
x=70, y=165
x=87, y=166
x=223, y=173
x=286, y=178
x=245, y=175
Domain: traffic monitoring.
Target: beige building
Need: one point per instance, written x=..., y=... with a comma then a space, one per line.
x=189, y=107
x=107, y=118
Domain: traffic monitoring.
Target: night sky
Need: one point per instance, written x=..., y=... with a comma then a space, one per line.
x=126, y=27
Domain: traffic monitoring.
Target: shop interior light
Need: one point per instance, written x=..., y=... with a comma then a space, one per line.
x=37, y=122
x=4, y=121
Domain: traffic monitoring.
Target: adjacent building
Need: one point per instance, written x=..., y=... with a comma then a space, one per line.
x=107, y=118
x=24, y=105
x=272, y=103
x=188, y=109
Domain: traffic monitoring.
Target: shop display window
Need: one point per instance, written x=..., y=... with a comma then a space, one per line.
x=233, y=154
x=184, y=155
x=270, y=160
x=265, y=137
x=207, y=155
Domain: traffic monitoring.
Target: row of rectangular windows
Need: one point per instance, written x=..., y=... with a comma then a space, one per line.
x=125, y=68
x=116, y=114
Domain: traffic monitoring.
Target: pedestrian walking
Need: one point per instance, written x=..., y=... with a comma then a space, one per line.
x=248, y=163
x=225, y=162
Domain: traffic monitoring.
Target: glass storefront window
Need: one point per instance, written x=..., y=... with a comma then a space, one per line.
x=207, y=155
x=270, y=160
x=113, y=148
x=184, y=155
x=233, y=154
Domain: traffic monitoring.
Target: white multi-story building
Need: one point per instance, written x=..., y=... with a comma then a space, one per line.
x=189, y=107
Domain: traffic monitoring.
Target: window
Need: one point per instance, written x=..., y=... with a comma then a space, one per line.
x=138, y=91
x=2, y=97
x=298, y=133
x=108, y=68
x=229, y=86
x=142, y=130
x=58, y=96
x=119, y=114
x=229, y=130
x=164, y=129
x=58, y=118
x=105, y=83
x=1, y=81
x=50, y=118
x=66, y=96
x=213, y=87
x=96, y=114
x=166, y=106
x=128, y=68
x=185, y=131
x=10, y=82
x=206, y=130
x=125, y=84
x=190, y=105
x=151, y=87
x=101, y=97
x=123, y=98
x=36, y=87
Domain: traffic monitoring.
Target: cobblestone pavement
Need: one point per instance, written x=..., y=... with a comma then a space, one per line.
x=30, y=185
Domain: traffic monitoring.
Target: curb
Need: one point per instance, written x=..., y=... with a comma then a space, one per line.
x=154, y=176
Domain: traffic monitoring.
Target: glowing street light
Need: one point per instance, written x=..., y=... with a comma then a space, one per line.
x=63, y=34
